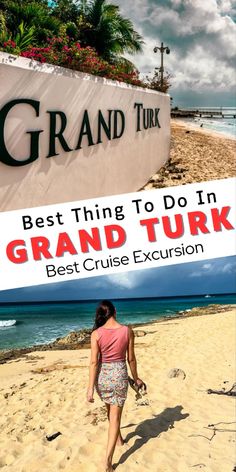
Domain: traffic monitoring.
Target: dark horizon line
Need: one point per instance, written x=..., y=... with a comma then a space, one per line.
x=44, y=302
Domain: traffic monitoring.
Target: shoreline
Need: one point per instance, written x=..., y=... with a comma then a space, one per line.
x=196, y=155
x=207, y=131
x=81, y=339
x=184, y=365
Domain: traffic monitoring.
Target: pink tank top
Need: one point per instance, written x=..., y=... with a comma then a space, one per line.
x=113, y=343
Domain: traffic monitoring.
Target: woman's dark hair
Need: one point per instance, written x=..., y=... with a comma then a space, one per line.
x=104, y=311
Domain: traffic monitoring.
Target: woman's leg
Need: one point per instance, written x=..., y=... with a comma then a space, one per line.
x=108, y=410
x=113, y=433
x=120, y=440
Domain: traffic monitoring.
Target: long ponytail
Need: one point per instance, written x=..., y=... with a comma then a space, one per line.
x=104, y=311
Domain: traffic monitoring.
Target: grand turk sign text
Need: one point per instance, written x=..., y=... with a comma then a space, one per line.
x=66, y=135
x=110, y=125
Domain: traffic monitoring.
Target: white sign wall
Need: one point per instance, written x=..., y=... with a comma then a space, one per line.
x=38, y=100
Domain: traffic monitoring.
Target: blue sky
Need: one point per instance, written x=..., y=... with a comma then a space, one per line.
x=201, y=35
x=211, y=276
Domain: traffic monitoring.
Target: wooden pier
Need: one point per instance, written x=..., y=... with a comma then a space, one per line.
x=202, y=113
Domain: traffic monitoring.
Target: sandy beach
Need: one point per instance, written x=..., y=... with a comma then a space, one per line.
x=179, y=427
x=196, y=155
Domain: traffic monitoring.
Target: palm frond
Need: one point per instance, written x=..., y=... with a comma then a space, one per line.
x=111, y=33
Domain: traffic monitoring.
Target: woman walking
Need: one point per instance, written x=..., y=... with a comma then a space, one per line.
x=111, y=344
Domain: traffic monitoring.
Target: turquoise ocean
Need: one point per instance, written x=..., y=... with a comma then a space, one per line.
x=226, y=126
x=23, y=325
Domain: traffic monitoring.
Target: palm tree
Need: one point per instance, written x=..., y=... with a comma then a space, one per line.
x=108, y=31
x=95, y=23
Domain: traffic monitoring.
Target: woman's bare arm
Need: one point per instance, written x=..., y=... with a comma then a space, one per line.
x=93, y=366
x=131, y=356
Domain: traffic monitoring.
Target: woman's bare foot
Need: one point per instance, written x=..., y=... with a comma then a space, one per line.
x=109, y=468
x=120, y=441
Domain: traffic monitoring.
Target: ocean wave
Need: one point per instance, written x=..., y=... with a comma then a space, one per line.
x=7, y=323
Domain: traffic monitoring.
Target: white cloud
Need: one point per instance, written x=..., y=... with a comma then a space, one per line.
x=127, y=280
x=201, y=35
x=215, y=268
x=226, y=6
x=124, y=280
x=229, y=268
x=207, y=266
x=196, y=274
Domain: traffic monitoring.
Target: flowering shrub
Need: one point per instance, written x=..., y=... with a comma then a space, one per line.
x=9, y=46
x=63, y=52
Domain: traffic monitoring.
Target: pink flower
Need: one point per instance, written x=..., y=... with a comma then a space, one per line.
x=9, y=43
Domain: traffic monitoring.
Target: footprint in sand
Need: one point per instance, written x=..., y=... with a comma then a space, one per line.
x=97, y=415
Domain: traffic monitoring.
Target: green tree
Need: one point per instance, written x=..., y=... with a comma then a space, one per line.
x=23, y=38
x=34, y=13
x=66, y=10
x=94, y=23
x=108, y=31
x=3, y=29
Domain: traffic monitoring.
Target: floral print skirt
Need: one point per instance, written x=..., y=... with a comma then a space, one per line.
x=112, y=382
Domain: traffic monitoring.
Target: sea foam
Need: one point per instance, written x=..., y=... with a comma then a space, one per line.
x=7, y=323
